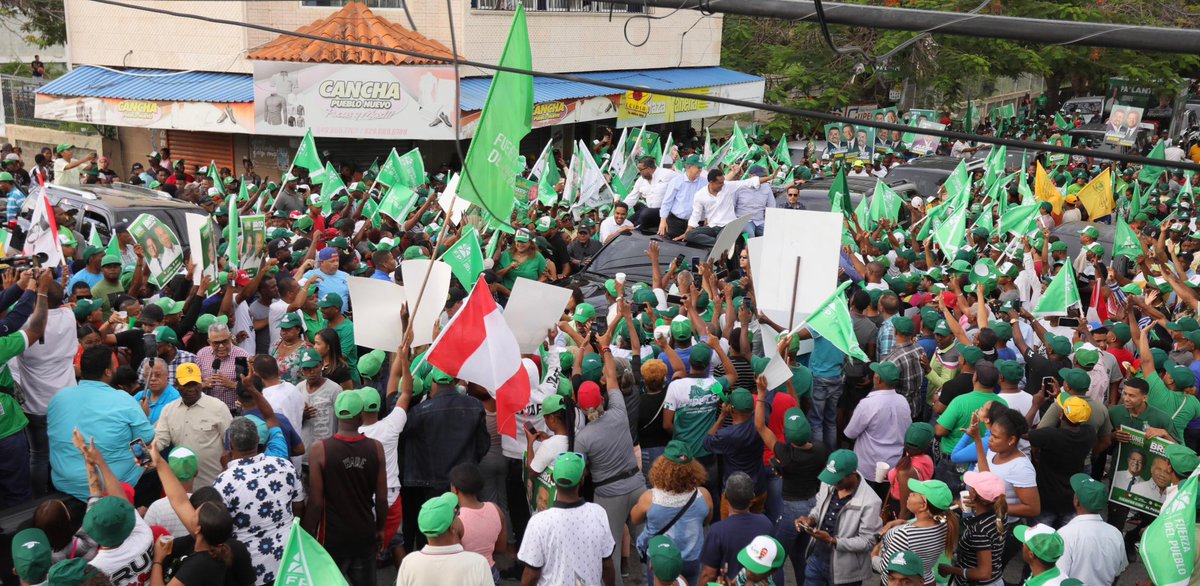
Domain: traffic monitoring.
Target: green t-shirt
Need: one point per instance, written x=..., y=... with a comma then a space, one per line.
x=12, y=419
x=695, y=408
x=530, y=269
x=958, y=415
x=312, y=325
x=103, y=289
x=1182, y=407
x=345, y=332
x=1151, y=417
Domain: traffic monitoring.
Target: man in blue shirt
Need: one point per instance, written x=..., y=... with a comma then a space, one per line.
x=160, y=392
x=681, y=194
x=384, y=262
x=331, y=279
x=16, y=199
x=110, y=417
x=93, y=257
x=825, y=361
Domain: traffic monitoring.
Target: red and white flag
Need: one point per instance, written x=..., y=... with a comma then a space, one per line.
x=477, y=346
x=43, y=231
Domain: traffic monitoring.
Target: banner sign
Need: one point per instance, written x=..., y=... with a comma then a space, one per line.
x=1122, y=125
x=1140, y=473
x=198, y=116
x=558, y=112
x=358, y=101
x=163, y=253
x=638, y=108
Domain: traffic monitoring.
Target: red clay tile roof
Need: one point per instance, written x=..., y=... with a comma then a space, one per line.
x=355, y=22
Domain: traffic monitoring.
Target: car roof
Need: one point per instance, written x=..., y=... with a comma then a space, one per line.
x=122, y=196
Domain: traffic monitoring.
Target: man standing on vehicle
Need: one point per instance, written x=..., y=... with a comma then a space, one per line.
x=715, y=205
x=755, y=201
x=648, y=192
x=677, y=201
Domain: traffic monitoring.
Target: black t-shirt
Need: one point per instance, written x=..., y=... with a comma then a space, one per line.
x=1061, y=454
x=650, y=430
x=961, y=384
x=1040, y=367
x=201, y=569
x=799, y=469
x=558, y=251
x=339, y=375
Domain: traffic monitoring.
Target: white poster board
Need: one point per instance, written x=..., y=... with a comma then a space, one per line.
x=777, y=372
x=377, y=324
x=813, y=237
x=450, y=203
x=728, y=237
x=533, y=308
x=425, y=314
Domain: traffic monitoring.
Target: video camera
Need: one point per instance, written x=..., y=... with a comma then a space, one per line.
x=21, y=262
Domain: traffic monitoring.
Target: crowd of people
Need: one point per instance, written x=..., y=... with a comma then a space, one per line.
x=174, y=434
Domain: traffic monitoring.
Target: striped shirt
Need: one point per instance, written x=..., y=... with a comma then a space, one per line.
x=927, y=542
x=16, y=199
x=979, y=533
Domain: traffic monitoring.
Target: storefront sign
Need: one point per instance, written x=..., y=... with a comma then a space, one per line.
x=557, y=112
x=359, y=101
x=638, y=108
x=197, y=116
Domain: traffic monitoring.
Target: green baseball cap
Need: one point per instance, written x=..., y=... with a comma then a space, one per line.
x=184, y=463
x=330, y=300
x=583, y=312
x=437, y=514
x=170, y=306
x=681, y=329
x=888, y=372
x=63, y=147
x=796, y=428
x=942, y=328
x=1059, y=246
x=85, y=307
x=552, y=404
x=204, y=321
x=644, y=296
x=6, y=177
x=568, y=469
x=905, y=563
x=31, y=555
x=370, y=399
x=1076, y=379
x=348, y=405
x=1092, y=494
x=110, y=259
x=1182, y=376
x=692, y=161
x=741, y=400
x=763, y=555
x=89, y=251
x=109, y=521
x=1090, y=231
x=934, y=491
x=370, y=363
x=1010, y=370
x=309, y=358
x=71, y=572
x=904, y=325
x=293, y=320
x=840, y=464
x=665, y=560
x=970, y=354
x=1044, y=542
x=1184, y=324
x=303, y=224
x=440, y=377
x=591, y=367
x=1060, y=345
x=918, y=435
x=1087, y=358
x=700, y=356
x=1183, y=460
x=678, y=451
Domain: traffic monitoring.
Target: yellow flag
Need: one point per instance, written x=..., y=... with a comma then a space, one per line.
x=1045, y=190
x=1097, y=197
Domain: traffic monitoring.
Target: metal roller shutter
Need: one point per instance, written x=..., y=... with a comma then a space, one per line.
x=360, y=152
x=199, y=148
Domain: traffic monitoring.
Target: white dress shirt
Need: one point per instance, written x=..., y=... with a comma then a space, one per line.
x=609, y=226
x=718, y=210
x=1094, y=551
x=651, y=191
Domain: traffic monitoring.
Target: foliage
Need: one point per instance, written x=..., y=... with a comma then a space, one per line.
x=802, y=71
x=40, y=22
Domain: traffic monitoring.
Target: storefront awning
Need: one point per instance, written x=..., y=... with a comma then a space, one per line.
x=153, y=84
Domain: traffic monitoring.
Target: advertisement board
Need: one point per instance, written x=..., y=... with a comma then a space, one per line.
x=235, y=117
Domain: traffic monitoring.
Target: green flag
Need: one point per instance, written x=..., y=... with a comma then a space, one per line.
x=1061, y=122
x=410, y=169
x=1125, y=241
x=506, y=118
x=1168, y=545
x=995, y=165
x=215, y=176
x=330, y=187
x=885, y=203
x=1150, y=173
x=114, y=244
x=862, y=212
x=94, y=238
x=738, y=148
x=1019, y=220
x=308, y=157
x=958, y=181
x=306, y=562
x=985, y=218
x=1060, y=296
x=953, y=231
x=831, y=321
x=839, y=193
x=465, y=258
x=1135, y=205
x=546, y=182
x=389, y=173
x=233, y=235
x=397, y=202
x=782, y=156
x=373, y=170
x=371, y=211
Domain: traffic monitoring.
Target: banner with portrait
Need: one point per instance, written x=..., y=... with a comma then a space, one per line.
x=1062, y=140
x=924, y=144
x=203, y=248
x=1141, y=473
x=916, y=117
x=1122, y=125
x=163, y=253
x=540, y=491
x=252, y=248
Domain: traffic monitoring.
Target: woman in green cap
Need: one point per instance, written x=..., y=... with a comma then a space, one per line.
x=677, y=506
x=932, y=532
x=287, y=350
x=521, y=260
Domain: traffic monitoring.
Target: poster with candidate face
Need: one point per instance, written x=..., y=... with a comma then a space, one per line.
x=163, y=253
x=1141, y=473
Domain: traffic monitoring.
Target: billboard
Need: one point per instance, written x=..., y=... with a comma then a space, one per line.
x=237, y=117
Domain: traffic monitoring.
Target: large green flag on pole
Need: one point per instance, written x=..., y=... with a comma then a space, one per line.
x=885, y=203
x=1168, y=545
x=308, y=157
x=1125, y=241
x=1019, y=220
x=1150, y=173
x=410, y=169
x=782, y=155
x=952, y=233
x=465, y=258
x=305, y=562
x=546, y=181
x=831, y=321
x=839, y=193
x=397, y=202
x=233, y=236
x=215, y=176
x=958, y=180
x=488, y=177
x=330, y=187
x=1060, y=296
x=1061, y=122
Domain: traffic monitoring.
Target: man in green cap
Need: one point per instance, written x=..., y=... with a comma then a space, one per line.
x=1093, y=550
x=911, y=359
x=184, y=464
x=31, y=555
x=1042, y=546
x=387, y=432
x=110, y=269
x=904, y=569
x=843, y=523
x=691, y=405
x=16, y=199
x=666, y=563
x=330, y=305
x=349, y=464
x=92, y=257
x=571, y=541
x=878, y=423
x=740, y=445
x=957, y=415
x=443, y=560
x=1183, y=407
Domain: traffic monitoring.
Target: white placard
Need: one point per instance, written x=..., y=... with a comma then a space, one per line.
x=777, y=372
x=728, y=237
x=532, y=309
x=813, y=237
x=377, y=322
x=425, y=314
x=450, y=203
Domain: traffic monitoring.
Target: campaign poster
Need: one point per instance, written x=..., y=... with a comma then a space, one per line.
x=1141, y=473
x=889, y=115
x=1062, y=140
x=924, y=144
x=917, y=117
x=864, y=141
x=540, y=491
x=252, y=248
x=163, y=253
x=203, y=250
x=837, y=140
x=1122, y=124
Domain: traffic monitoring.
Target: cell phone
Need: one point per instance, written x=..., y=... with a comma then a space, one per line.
x=1068, y=322
x=695, y=265
x=679, y=260
x=530, y=428
x=676, y=299
x=748, y=303
x=1047, y=383
x=140, y=453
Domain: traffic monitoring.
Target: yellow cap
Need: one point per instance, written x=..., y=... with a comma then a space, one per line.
x=187, y=373
x=1076, y=410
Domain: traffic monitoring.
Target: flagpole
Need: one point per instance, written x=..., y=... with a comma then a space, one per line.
x=820, y=307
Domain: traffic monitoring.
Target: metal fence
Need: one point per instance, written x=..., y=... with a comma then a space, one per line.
x=17, y=97
x=557, y=6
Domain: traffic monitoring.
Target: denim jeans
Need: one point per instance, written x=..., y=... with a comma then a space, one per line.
x=39, y=453
x=819, y=573
x=358, y=568
x=823, y=418
x=14, y=471
x=774, y=506
x=1056, y=519
x=649, y=455
x=753, y=230
x=793, y=542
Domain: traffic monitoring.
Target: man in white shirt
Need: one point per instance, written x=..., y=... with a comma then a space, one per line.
x=617, y=223
x=443, y=560
x=1173, y=152
x=570, y=542
x=1094, y=551
x=715, y=205
x=284, y=397
x=649, y=190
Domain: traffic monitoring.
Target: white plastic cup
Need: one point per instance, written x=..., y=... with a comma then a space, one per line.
x=965, y=497
x=881, y=471
x=621, y=278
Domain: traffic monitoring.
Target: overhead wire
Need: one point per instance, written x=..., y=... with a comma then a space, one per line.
x=785, y=110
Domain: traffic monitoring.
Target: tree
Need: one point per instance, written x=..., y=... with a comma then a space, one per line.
x=42, y=22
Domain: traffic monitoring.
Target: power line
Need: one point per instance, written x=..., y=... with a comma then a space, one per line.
x=797, y=112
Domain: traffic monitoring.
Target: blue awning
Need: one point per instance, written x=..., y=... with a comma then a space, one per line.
x=474, y=89
x=153, y=84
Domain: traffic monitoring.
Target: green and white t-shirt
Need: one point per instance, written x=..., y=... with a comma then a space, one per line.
x=695, y=407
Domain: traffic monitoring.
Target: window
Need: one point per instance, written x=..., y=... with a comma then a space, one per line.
x=340, y=3
x=557, y=6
